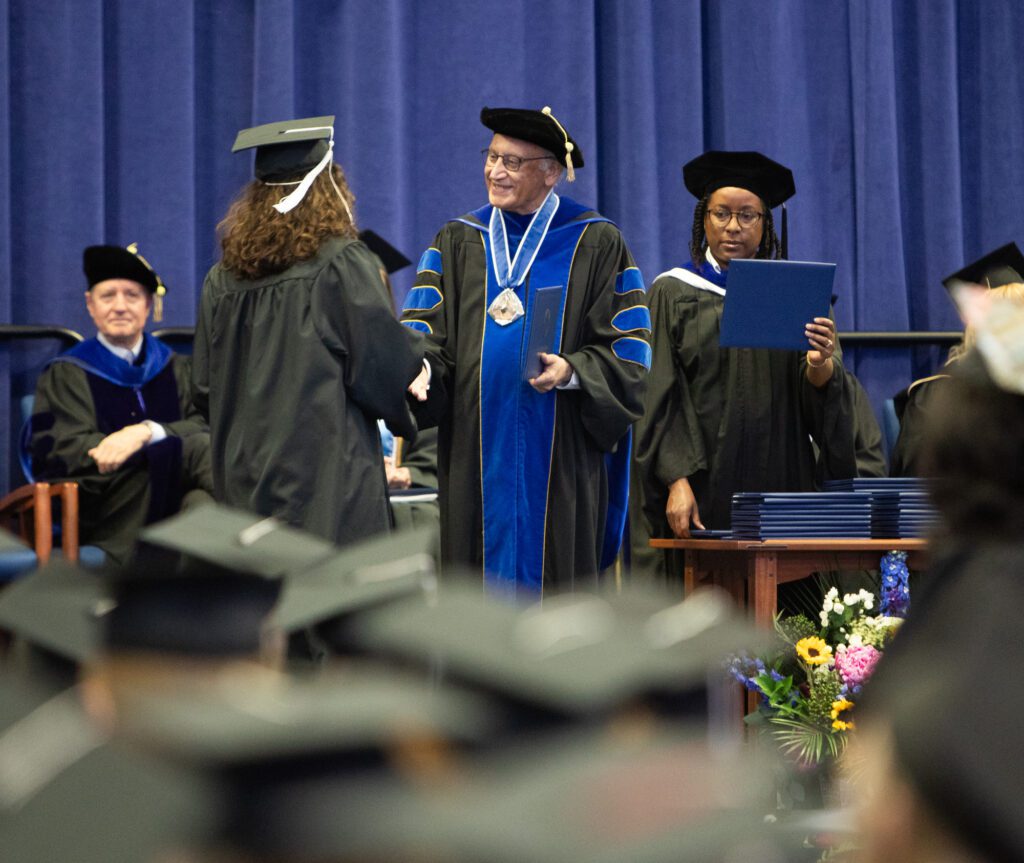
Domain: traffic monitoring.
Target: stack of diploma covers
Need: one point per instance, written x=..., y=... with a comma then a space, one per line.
x=792, y=515
x=900, y=506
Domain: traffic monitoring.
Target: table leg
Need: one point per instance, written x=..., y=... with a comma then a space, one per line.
x=762, y=586
x=691, y=568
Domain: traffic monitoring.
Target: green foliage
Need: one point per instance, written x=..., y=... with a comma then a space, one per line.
x=792, y=629
x=805, y=742
x=825, y=686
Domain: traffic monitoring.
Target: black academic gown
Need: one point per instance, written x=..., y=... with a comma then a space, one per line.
x=868, y=449
x=588, y=423
x=293, y=370
x=731, y=419
x=75, y=409
x=913, y=407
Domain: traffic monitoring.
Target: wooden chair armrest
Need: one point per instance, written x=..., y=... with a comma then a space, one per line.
x=35, y=499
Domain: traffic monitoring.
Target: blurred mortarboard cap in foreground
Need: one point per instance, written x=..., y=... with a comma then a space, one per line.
x=577, y=656
x=16, y=558
x=283, y=752
x=392, y=259
x=204, y=582
x=9, y=542
x=999, y=267
x=240, y=720
x=536, y=127
x=69, y=793
x=965, y=759
x=715, y=169
x=237, y=541
x=54, y=614
x=362, y=576
x=581, y=797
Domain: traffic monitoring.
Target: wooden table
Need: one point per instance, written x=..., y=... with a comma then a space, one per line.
x=752, y=571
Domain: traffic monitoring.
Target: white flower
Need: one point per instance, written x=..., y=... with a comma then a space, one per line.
x=851, y=598
x=832, y=593
x=838, y=608
x=824, y=619
x=827, y=606
x=856, y=641
x=869, y=603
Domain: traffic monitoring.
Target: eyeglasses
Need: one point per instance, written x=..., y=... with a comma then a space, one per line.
x=746, y=218
x=511, y=163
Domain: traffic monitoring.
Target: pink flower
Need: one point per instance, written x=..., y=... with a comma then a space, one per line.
x=855, y=664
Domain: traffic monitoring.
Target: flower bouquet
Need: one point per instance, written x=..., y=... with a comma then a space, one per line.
x=810, y=686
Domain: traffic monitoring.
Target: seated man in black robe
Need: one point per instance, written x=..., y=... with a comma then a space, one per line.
x=115, y=412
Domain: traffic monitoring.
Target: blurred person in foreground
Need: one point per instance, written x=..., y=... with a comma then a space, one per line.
x=939, y=741
x=115, y=413
x=297, y=350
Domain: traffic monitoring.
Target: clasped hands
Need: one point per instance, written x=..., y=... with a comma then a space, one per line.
x=115, y=449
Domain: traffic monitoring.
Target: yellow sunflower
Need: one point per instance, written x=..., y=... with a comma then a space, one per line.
x=813, y=650
x=839, y=707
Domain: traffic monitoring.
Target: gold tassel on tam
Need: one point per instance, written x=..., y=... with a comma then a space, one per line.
x=158, y=303
x=158, y=298
x=570, y=174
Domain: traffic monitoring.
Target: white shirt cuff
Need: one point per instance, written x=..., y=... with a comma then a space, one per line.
x=572, y=384
x=157, y=431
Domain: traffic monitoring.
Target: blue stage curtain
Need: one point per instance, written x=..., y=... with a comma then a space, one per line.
x=901, y=121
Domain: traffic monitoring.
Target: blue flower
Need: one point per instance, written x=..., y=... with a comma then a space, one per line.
x=895, y=592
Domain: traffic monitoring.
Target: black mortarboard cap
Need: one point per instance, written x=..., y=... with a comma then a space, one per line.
x=68, y=793
x=537, y=127
x=715, y=169
x=956, y=725
x=288, y=148
x=115, y=262
x=1002, y=266
x=392, y=259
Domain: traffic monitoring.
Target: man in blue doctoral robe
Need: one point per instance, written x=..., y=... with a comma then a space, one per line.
x=532, y=463
x=115, y=412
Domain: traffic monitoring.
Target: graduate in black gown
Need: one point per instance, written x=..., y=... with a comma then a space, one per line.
x=115, y=412
x=724, y=420
x=1001, y=272
x=297, y=350
x=533, y=471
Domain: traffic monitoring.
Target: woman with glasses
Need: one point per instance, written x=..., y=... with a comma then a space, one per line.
x=724, y=420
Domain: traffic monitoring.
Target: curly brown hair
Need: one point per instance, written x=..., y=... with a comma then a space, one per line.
x=258, y=241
